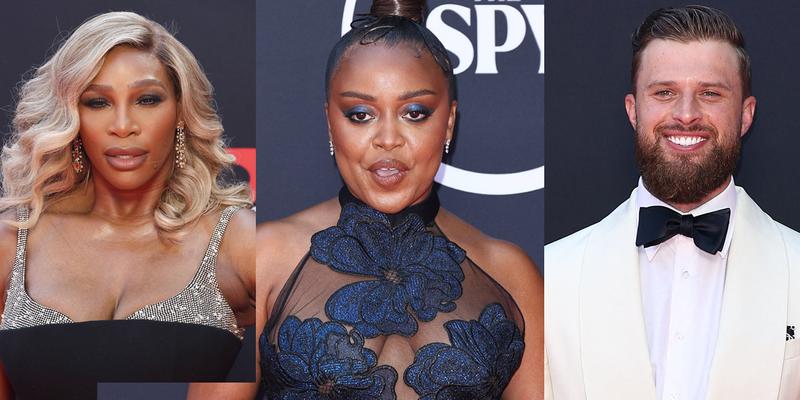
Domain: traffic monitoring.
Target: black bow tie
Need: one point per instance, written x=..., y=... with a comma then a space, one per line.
x=657, y=224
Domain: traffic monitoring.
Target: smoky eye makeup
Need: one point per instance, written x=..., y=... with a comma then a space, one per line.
x=149, y=100
x=416, y=112
x=94, y=102
x=358, y=114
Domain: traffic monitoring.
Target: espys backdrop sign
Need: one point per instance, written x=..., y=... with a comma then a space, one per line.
x=496, y=169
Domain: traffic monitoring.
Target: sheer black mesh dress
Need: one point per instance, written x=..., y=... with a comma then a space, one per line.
x=386, y=307
x=191, y=336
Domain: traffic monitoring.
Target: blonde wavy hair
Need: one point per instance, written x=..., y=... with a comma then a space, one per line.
x=37, y=162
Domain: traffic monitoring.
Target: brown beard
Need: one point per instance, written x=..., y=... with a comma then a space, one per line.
x=685, y=179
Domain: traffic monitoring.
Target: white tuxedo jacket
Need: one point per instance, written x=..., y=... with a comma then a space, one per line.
x=595, y=340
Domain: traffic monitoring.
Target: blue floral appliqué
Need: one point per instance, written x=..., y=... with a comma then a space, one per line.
x=478, y=364
x=323, y=361
x=413, y=268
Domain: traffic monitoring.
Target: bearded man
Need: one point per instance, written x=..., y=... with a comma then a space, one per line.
x=688, y=290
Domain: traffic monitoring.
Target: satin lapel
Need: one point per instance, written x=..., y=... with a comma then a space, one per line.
x=749, y=354
x=615, y=357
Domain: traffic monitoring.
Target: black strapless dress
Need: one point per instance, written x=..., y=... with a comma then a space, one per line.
x=191, y=336
x=386, y=307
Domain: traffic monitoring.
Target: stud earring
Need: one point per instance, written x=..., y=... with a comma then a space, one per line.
x=330, y=146
x=447, y=147
x=180, y=146
x=77, y=155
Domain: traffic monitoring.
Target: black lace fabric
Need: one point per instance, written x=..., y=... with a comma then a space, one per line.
x=387, y=307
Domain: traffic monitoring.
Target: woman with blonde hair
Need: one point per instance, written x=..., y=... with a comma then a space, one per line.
x=123, y=256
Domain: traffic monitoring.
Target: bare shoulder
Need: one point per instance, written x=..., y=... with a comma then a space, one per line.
x=243, y=221
x=8, y=234
x=286, y=240
x=281, y=244
x=505, y=262
x=240, y=233
x=238, y=244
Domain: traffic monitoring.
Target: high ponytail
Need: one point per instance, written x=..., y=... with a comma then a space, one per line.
x=414, y=10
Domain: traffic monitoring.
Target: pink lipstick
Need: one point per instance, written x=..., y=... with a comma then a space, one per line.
x=388, y=173
x=125, y=159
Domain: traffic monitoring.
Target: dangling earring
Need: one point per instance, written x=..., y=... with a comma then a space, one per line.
x=447, y=147
x=180, y=146
x=330, y=146
x=77, y=155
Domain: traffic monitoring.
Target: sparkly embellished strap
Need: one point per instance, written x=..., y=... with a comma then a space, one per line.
x=21, y=310
x=22, y=244
x=209, y=265
x=16, y=284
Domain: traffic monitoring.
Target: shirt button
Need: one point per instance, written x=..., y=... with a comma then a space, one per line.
x=679, y=336
x=685, y=275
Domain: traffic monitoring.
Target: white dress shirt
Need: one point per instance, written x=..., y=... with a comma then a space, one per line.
x=682, y=297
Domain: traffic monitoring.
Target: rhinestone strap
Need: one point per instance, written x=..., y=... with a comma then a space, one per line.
x=21, y=311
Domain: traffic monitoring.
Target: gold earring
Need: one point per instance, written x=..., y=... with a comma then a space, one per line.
x=447, y=147
x=330, y=145
x=180, y=146
x=77, y=155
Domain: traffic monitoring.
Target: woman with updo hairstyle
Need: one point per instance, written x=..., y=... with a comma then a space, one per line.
x=380, y=293
x=123, y=254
